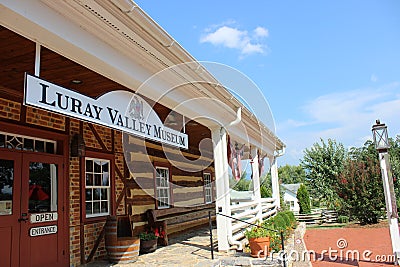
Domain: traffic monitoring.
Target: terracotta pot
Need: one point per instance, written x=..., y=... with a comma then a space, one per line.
x=259, y=246
x=147, y=246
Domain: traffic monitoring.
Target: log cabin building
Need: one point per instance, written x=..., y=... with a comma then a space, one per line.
x=81, y=138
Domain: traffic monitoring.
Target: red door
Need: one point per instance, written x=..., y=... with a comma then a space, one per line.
x=10, y=185
x=37, y=215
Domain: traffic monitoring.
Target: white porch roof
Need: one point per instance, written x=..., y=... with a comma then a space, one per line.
x=120, y=41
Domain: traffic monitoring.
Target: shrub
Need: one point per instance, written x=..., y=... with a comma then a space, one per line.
x=257, y=231
x=304, y=199
x=292, y=218
x=147, y=236
x=343, y=219
x=283, y=221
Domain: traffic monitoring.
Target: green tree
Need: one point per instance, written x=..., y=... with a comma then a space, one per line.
x=360, y=186
x=290, y=174
x=265, y=191
x=304, y=199
x=323, y=163
x=266, y=185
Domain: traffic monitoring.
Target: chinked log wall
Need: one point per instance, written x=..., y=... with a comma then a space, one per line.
x=187, y=177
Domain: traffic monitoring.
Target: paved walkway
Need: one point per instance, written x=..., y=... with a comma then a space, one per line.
x=344, y=247
x=337, y=247
x=192, y=249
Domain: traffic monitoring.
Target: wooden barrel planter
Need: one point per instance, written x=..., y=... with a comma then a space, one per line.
x=111, y=230
x=126, y=250
x=120, y=249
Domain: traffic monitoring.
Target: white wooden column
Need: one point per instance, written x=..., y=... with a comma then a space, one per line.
x=256, y=183
x=222, y=187
x=391, y=207
x=275, y=181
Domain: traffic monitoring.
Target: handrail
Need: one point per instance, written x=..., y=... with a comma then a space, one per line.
x=236, y=219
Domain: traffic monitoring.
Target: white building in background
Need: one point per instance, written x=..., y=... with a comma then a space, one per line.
x=290, y=196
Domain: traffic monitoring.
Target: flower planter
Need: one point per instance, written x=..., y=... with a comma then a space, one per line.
x=147, y=246
x=259, y=246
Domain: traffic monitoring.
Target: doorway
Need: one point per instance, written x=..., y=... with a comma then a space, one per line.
x=32, y=210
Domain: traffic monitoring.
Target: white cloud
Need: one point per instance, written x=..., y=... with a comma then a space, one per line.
x=226, y=36
x=251, y=48
x=237, y=39
x=346, y=117
x=374, y=78
x=261, y=32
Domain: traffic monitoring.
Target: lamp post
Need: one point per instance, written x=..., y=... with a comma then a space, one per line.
x=381, y=140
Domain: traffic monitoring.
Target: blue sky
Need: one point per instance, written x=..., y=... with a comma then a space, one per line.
x=328, y=69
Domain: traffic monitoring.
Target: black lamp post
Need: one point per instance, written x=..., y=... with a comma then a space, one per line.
x=381, y=141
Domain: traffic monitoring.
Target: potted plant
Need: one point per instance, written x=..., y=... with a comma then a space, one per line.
x=259, y=239
x=148, y=240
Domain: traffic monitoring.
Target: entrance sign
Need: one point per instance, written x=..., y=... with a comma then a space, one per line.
x=120, y=110
x=43, y=230
x=44, y=217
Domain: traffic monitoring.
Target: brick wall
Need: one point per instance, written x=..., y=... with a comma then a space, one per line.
x=91, y=234
x=74, y=202
x=10, y=109
x=45, y=118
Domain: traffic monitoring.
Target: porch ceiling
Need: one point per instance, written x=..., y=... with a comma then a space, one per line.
x=126, y=49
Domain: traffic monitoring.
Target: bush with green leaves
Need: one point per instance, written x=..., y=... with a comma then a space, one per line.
x=284, y=222
x=343, y=219
x=304, y=199
x=257, y=231
x=147, y=236
x=361, y=190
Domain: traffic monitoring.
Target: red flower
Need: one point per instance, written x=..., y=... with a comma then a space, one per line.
x=157, y=234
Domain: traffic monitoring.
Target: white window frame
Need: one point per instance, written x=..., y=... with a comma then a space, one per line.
x=207, y=187
x=162, y=186
x=108, y=187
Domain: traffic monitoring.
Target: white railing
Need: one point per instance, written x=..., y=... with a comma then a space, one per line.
x=269, y=207
x=248, y=212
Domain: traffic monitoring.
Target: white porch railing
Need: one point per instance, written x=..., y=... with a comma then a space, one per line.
x=248, y=211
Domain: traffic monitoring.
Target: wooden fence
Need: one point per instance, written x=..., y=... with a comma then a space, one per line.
x=318, y=217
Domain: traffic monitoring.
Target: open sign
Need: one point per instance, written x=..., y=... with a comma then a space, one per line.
x=44, y=217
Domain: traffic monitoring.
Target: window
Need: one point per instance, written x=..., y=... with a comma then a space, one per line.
x=162, y=188
x=207, y=187
x=21, y=142
x=97, y=187
x=6, y=186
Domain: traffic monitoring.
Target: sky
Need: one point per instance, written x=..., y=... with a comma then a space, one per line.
x=328, y=69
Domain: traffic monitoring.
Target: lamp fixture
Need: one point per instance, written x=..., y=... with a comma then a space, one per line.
x=380, y=134
x=76, y=81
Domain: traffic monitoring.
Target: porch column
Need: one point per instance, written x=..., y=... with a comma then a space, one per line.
x=223, y=200
x=256, y=183
x=275, y=181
